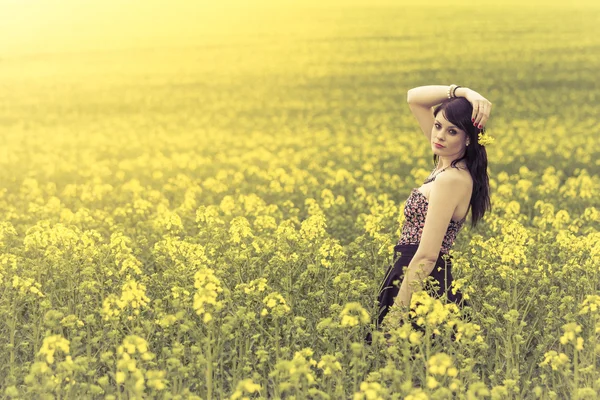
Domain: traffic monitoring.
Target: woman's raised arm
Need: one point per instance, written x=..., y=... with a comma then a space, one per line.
x=421, y=99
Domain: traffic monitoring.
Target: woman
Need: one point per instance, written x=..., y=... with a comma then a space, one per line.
x=436, y=211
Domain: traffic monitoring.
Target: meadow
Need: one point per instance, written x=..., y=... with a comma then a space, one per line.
x=210, y=217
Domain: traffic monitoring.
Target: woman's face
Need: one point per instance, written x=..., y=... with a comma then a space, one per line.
x=448, y=135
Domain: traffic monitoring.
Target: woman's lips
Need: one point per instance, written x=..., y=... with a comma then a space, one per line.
x=438, y=145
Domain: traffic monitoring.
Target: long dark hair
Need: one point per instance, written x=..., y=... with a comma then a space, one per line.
x=458, y=111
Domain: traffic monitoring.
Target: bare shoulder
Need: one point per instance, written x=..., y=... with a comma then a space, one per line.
x=456, y=179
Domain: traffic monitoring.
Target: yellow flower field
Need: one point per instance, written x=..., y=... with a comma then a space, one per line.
x=187, y=215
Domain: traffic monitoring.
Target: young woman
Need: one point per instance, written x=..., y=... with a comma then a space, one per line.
x=436, y=211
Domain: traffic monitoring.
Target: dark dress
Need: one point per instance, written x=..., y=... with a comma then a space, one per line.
x=415, y=211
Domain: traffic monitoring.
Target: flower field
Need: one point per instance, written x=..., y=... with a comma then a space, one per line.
x=211, y=219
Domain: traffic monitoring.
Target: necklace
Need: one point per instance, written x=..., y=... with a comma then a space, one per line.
x=431, y=176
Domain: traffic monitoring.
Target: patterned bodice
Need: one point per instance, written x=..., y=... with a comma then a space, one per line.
x=415, y=210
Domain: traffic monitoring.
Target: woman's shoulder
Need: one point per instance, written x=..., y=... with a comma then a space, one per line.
x=459, y=175
x=465, y=177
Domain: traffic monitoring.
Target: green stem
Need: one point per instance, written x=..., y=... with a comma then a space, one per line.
x=236, y=362
x=277, y=338
x=427, y=342
x=12, y=338
x=576, y=377
x=593, y=347
x=209, y=371
x=354, y=374
x=118, y=384
x=289, y=288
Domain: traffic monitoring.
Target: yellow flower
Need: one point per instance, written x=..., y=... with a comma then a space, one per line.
x=485, y=139
x=51, y=344
x=245, y=386
x=240, y=229
x=329, y=364
x=554, y=360
x=432, y=383
x=439, y=363
x=591, y=304
x=156, y=379
x=417, y=394
x=276, y=303
x=27, y=285
x=313, y=227
x=256, y=285
x=371, y=391
x=571, y=329
x=209, y=287
x=120, y=376
x=415, y=337
x=227, y=205
x=354, y=314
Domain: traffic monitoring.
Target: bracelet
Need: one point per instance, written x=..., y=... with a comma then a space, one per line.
x=451, y=90
x=454, y=91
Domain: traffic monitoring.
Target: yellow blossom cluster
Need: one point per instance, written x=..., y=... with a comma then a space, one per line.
x=208, y=217
x=330, y=250
x=330, y=200
x=555, y=360
x=240, y=229
x=208, y=288
x=168, y=220
x=485, y=139
x=7, y=261
x=591, y=304
x=129, y=371
x=417, y=394
x=353, y=314
x=429, y=310
x=51, y=344
x=293, y=373
x=7, y=233
x=371, y=391
x=133, y=294
x=258, y=285
x=329, y=364
x=571, y=330
x=124, y=259
x=441, y=364
x=275, y=304
x=243, y=387
x=27, y=285
x=54, y=240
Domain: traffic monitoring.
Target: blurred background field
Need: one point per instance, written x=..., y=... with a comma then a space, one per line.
x=150, y=121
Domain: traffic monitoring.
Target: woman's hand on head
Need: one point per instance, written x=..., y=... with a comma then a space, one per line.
x=482, y=108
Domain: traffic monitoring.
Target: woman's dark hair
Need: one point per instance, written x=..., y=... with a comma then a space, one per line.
x=459, y=111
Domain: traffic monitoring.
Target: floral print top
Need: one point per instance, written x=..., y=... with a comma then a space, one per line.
x=415, y=211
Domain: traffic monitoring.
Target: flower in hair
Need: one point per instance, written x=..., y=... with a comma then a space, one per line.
x=484, y=139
